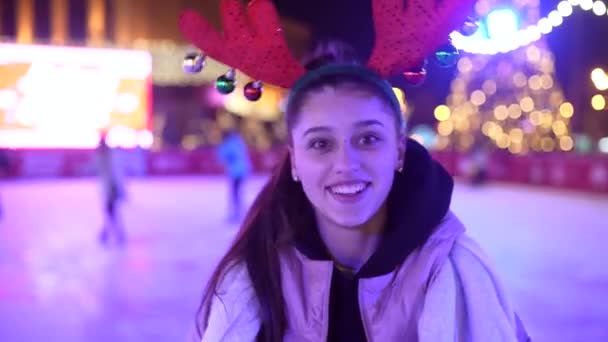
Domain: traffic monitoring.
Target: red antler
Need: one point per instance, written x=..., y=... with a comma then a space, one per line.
x=405, y=37
x=252, y=41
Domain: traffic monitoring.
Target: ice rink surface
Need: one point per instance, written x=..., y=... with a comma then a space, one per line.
x=58, y=284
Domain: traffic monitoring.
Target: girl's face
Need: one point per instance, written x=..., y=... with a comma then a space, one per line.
x=345, y=150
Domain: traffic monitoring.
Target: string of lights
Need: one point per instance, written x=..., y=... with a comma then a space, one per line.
x=483, y=43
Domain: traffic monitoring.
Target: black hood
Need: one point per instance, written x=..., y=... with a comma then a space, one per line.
x=418, y=202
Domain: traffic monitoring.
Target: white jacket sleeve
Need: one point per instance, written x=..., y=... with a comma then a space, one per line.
x=234, y=314
x=468, y=301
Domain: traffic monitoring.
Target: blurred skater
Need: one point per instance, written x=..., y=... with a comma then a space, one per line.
x=235, y=158
x=480, y=158
x=111, y=175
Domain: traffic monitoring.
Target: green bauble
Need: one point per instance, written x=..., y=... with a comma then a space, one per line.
x=225, y=84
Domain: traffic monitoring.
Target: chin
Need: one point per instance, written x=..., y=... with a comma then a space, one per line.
x=349, y=221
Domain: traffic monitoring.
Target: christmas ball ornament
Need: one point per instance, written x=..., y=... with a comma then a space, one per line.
x=416, y=76
x=226, y=83
x=446, y=56
x=253, y=90
x=194, y=63
x=469, y=27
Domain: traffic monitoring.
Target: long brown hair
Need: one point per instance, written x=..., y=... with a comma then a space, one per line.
x=280, y=212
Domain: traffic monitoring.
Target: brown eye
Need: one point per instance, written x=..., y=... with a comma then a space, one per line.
x=368, y=140
x=319, y=144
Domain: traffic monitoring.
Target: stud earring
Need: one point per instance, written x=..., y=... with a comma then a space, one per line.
x=294, y=176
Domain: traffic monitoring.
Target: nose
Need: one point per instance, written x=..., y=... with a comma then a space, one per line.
x=347, y=160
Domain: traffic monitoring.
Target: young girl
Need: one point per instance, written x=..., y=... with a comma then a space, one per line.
x=352, y=238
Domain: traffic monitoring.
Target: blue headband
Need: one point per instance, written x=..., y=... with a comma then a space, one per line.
x=356, y=71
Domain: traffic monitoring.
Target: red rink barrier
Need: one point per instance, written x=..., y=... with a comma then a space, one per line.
x=569, y=171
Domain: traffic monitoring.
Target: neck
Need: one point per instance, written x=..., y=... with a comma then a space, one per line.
x=351, y=247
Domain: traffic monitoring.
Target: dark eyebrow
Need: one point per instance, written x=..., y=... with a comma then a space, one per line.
x=364, y=123
x=316, y=129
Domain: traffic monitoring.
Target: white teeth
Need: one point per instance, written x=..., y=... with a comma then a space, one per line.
x=350, y=189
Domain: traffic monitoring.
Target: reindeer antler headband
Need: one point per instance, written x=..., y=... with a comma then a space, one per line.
x=253, y=42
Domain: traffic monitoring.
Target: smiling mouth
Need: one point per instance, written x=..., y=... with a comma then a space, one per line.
x=348, y=190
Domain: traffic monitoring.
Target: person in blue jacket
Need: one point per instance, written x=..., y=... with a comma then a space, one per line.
x=235, y=158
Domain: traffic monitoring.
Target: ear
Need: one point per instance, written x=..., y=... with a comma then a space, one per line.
x=291, y=156
x=401, y=147
x=292, y=161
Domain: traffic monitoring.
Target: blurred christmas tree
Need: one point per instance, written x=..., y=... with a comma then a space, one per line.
x=507, y=94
